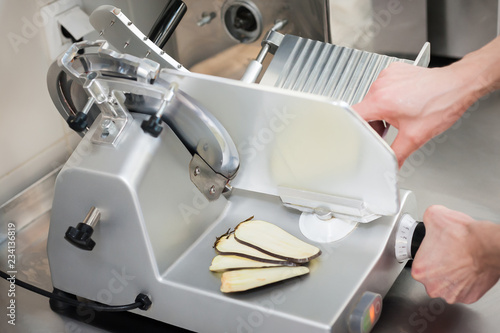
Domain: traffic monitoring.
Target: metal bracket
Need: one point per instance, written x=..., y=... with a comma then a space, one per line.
x=108, y=92
x=424, y=56
x=273, y=39
x=270, y=44
x=120, y=32
x=210, y=183
x=321, y=204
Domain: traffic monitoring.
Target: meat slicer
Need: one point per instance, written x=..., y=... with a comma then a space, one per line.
x=170, y=159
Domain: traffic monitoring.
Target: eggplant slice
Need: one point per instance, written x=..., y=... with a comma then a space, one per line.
x=223, y=263
x=274, y=241
x=244, y=279
x=228, y=245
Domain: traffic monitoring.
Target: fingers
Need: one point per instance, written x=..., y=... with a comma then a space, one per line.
x=436, y=214
x=367, y=110
x=403, y=147
x=468, y=290
x=446, y=263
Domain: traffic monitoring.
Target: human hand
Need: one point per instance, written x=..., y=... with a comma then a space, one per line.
x=453, y=259
x=420, y=102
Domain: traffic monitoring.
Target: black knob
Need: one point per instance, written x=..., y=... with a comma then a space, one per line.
x=81, y=236
x=418, y=237
x=78, y=122
x=152, y=126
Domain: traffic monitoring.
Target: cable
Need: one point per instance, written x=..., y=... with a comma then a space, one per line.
x=142, y=301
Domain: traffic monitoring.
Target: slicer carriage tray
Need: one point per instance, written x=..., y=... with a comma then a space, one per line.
x=362, y=261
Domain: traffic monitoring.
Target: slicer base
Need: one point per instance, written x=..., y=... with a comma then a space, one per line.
x=321, y=301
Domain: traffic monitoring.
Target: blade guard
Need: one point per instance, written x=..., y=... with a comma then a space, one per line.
x=312, y=152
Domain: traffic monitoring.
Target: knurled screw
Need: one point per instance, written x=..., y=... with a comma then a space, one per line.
x=108, y=128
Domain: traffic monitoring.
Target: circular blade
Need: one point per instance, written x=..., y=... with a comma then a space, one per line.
x=324, y=231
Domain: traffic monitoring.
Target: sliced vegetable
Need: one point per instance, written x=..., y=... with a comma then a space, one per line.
x=227, y=245
x=224, y=263
x=274, y=241
x=257, y=253
x=244, y=279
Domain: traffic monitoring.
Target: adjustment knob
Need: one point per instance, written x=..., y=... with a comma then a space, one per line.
x=418, y=237
x=81, y=235
x=409, y=236
x=152, y=126
x=78, y=122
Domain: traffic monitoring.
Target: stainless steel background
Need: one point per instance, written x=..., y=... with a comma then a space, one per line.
x=402, y=33
x=195, y=43
x=457, y=27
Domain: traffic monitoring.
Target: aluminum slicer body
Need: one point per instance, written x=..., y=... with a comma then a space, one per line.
x=156, y=229
x=156, y=233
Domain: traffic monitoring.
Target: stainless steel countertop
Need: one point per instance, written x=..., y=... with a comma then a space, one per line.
x=459, y=169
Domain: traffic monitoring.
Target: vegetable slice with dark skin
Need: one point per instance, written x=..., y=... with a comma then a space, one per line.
x=223, y=263
x=228, y=245
x=274, y=241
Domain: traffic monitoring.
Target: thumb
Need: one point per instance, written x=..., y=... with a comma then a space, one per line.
x=403, y=147
x=368, y=111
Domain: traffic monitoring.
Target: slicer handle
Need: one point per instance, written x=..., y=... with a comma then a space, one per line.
x=418, y=237
x=167, y=22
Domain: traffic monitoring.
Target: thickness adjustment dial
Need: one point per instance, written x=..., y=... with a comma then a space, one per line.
x=409, y=235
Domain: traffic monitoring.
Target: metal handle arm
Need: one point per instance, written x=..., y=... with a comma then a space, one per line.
x=167, y=22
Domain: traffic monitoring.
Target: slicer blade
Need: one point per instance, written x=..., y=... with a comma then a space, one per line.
x=325, y=230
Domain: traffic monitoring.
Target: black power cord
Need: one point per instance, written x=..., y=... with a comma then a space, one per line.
x=142, y=301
